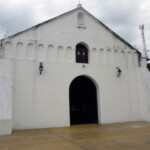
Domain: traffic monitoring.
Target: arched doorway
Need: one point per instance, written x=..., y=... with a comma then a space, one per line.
x=83, y=101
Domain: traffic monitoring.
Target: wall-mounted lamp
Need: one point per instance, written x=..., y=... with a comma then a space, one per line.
x=119, y=71
x=41, y=68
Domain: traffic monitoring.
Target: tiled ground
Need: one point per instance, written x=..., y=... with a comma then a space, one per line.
x=123, y=136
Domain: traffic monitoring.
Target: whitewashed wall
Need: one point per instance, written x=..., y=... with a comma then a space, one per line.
x=144, y=86
x=42, y=101
x=6, y=96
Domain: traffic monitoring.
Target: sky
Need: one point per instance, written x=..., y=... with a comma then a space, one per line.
x=122, y=16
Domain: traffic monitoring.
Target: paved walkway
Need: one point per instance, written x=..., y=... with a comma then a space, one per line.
x=123, y=136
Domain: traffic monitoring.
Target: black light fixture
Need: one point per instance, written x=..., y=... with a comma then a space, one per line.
x=119, y=71
x=41, y=68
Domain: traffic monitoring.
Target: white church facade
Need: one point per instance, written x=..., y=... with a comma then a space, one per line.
x=71, y=70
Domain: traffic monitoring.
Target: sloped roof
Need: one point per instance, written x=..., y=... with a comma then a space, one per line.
x=79, y=8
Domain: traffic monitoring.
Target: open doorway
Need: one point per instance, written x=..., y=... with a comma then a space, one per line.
x=83, y=101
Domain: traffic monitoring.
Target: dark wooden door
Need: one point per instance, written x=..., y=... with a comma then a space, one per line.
x=83, y=101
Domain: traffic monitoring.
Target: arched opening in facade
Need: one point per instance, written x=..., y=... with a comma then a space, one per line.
x=81, y=54
x=80, y=18
x=83, y=101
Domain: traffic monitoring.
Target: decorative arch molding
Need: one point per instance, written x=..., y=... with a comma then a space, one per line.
x=50, y=53
x=20, y=52
x=123, y=51
x=102, y=56
x=116, y=50
x=60, y=53
x=94, y=56
x=40, y=52
x=69, y=48
x=123, y=58
x=70, y=54
x=30, y=51
x=110, y=57
x=129, y=58
x=116, y=58
x=8, y=50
